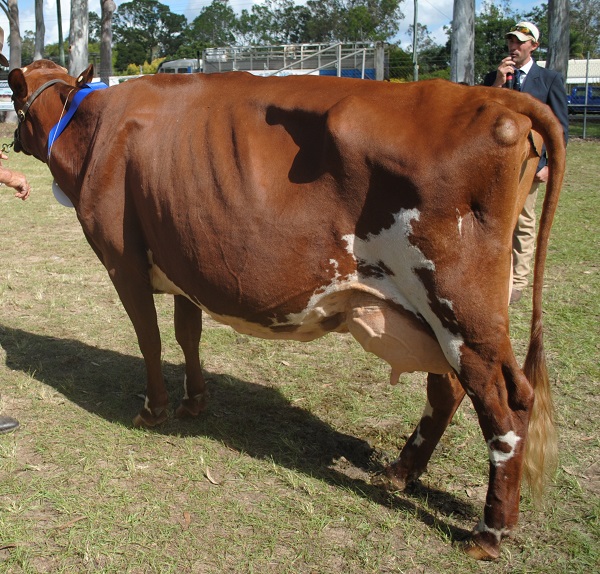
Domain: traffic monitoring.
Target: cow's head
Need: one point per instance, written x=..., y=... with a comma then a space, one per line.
x=30, y=83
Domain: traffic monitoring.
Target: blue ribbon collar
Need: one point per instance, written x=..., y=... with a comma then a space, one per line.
x=81, y=94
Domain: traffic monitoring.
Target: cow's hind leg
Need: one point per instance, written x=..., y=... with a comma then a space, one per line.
x=503, y=399
x=188, y=330
x=444, y=395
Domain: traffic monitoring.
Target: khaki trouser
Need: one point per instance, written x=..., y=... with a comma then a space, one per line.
x=524, y=241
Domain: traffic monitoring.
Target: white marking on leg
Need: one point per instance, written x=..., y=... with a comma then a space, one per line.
x=185, y=389
x=483, y=527
x=428, y=412
x=147, y=404
x=497, y=457
x=418, y=440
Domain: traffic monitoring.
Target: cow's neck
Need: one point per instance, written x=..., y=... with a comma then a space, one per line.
x=70, y=153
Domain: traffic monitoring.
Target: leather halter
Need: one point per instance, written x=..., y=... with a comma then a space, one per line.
x=21, y=114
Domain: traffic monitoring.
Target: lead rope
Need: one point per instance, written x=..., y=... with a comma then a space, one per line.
x=61, y=117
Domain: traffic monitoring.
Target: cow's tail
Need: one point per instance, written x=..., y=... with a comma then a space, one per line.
x=541, y=453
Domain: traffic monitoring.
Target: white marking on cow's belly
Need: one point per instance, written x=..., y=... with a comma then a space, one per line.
x=158, y=279
x=497, y=457
x=393, y=248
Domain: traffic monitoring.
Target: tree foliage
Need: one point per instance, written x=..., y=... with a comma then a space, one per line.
x=145, y=29
x=585, y=28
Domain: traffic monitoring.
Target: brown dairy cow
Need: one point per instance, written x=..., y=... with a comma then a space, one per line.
x=292, y=207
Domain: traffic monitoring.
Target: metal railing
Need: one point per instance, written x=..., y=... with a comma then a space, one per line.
x=359, y=59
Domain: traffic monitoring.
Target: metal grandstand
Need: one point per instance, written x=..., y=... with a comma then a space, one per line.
x=358, y=60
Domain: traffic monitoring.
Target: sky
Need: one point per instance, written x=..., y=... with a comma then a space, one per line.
x=435, y=14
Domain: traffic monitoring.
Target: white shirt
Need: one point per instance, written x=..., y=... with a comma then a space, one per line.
x=524, y=71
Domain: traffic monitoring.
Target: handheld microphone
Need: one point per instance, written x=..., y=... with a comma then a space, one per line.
x=510, y=80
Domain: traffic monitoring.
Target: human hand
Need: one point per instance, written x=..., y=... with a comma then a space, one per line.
x=16, y=180
x=506, y=67
x=542, y=175
x=22, y=186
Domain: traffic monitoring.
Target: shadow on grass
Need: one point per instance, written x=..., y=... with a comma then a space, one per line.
x=245, y=416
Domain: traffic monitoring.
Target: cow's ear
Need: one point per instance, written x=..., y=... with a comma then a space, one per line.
x=87, y=76
x=17, y=83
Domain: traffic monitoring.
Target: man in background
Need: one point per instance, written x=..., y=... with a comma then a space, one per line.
x=519, y=71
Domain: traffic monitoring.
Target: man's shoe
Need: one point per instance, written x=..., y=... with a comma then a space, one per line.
x=8, y=424
x=515, y=296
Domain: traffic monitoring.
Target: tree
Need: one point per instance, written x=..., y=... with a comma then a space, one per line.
x=324, y=23
x=146, y=29
x=27, y=47
x=353, y=20
x=558, y=38
x=11, y=9
x=462, y=65
x=214, y=26
x=107, y=8
x=433, y=59
x=400, y=63
x=94, y=26
x=247, y=30
x=370, y=20
x=283, y=22
x=40, y=30
x=585, y=26
x=491, y=25
x=78, y=42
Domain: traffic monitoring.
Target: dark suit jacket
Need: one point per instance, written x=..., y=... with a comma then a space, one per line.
x=548, y=87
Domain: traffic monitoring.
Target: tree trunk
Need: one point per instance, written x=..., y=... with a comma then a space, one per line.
x=462, y=55
x=14, y=35
x=78, y=43
x=558, y=37
x=40, y=30
x=108, y=7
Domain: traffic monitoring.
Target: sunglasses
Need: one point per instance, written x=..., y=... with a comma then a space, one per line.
x=524, y=30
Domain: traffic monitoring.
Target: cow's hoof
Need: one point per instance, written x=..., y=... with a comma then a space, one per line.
x=148, y=420
x=395, y=478
x=390, y=483
x=480, y=550
x=192, y=407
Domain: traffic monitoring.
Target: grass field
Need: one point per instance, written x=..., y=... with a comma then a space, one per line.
x=274, y=477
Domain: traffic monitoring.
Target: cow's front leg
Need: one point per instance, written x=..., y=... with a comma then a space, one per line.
x=444, y=395
x=188, y=330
